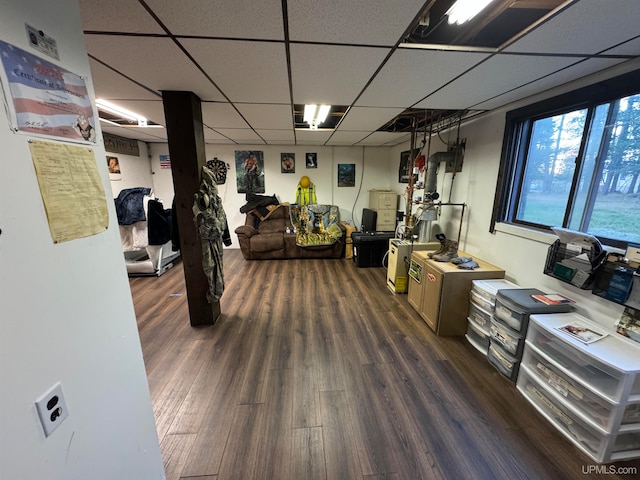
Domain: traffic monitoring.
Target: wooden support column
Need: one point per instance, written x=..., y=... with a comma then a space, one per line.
x=183, y=115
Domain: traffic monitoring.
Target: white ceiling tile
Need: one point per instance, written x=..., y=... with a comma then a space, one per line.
x=240, y=135
x=363, y=22
x=559, y=78
x=267, y=116
x=411, y=74
x=398, y=140
x=631, y=47
x=150, y=109
x=142, y=134
x=113, y=86
x=310, y=143
x=251, y=72
x=277, y=136
x=117, y=16
x=312, y=137
x=368, y=118
x=245, y=56
x=495, y=76
x=213, y=136
x=347, y=138
x=332, y=74
x=158, y=63
x=382, y=138
x=222, y=18
x=586, y=27
x=221, y=115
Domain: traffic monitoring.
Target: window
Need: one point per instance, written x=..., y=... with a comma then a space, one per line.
x=574, y=161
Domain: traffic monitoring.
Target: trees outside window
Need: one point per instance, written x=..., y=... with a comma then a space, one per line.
x=576, y=167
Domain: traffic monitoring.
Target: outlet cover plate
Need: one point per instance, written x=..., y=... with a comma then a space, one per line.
x=52, y=409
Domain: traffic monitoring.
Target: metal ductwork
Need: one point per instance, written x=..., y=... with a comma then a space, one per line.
x=431, y=180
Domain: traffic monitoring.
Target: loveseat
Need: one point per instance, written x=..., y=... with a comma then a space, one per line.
x=267, y=238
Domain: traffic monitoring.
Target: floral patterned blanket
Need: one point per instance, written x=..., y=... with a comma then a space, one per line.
x=315, y=224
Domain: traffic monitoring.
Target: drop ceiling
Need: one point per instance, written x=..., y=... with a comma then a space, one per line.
x=253, y=63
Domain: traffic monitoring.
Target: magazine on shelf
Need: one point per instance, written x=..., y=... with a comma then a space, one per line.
x=583, y=332
x=629, y=324
x=552, y=298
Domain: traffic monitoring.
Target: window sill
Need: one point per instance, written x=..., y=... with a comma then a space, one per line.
x=540, y=237
x=526, y=233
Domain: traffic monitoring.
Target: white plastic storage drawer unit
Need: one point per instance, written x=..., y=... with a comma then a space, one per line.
x=595, y=410
x=589, y=392
x=485, y=291
x=477, y=336
x=513, y=307
x=511, y=341
x=506, y=364
x=480, y=316
x=600, y=447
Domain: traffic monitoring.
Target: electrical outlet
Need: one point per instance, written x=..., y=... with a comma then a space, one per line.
x=52, y=409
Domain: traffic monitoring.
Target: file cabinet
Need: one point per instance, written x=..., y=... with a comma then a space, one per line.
x=385, y=204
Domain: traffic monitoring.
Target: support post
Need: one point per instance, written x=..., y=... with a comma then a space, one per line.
x=183, y=115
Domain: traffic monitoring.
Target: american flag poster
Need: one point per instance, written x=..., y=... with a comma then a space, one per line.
x=165, y=161
x=44, y=98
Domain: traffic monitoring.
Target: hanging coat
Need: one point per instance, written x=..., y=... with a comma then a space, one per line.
x=306, y=196
x=211, y=223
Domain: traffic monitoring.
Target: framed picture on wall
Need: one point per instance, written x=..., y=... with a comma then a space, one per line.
x=287, y=163
x=311, y=160
x=346, y=174
x=114, y=168
x=405, y=165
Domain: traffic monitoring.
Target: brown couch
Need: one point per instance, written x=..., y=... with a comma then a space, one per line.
x=267, y=239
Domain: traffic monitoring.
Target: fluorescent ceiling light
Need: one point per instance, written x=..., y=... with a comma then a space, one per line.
x=314, y=115
x=122, y=112
x=464, y=10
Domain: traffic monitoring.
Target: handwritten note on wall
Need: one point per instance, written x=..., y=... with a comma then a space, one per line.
x=71, y=190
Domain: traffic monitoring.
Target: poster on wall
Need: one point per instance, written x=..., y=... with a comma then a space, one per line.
x=165, y=161
x=346, y=174
x=114, y=168
x=311, y=160
x=287, y=163
x=249, y=171
x=71, y=189
x=405, y=165
x=45, y=99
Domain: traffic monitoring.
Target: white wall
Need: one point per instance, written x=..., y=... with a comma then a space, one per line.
x=371, y=173
x=66, y=312
x=521, y=252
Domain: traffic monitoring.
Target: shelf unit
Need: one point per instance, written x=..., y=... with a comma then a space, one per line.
x=589, y=393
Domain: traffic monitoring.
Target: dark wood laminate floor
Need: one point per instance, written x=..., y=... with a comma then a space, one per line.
x=315, y=370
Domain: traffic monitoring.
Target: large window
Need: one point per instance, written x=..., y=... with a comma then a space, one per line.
x=574, y=162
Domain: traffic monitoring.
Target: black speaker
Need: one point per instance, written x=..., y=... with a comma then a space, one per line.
x=369, y=218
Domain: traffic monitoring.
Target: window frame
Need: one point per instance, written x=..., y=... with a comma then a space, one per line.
x=517, y=124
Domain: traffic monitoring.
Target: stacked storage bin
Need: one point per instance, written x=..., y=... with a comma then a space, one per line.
x=509, y=327
x=589, y=392
x=481, y=306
